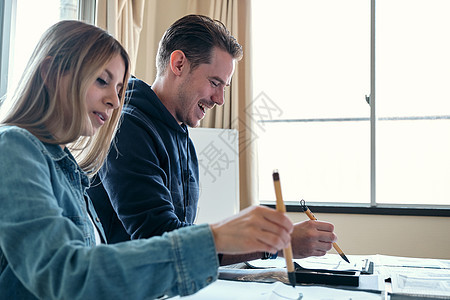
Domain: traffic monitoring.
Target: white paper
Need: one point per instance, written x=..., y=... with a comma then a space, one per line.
x=235, y=290
x=420, y=285
x=331, y=262
x=326, y=262
x=413, y=276
x=411, y=262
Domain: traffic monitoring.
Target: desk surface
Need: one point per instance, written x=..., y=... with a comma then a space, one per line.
x=226, y=290
x=410, y=276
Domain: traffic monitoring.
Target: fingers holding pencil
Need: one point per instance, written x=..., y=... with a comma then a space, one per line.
x=254, y=229
x=325, y=231
x=312, y=238
x=312, y=217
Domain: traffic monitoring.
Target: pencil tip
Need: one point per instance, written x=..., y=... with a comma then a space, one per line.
x=292, y=279
x=345, y=258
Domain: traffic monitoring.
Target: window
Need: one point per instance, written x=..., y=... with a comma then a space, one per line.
x=413, y=107
x=314, y=75
x=23, y=23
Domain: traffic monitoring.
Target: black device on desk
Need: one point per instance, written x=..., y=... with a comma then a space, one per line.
x=332, y=277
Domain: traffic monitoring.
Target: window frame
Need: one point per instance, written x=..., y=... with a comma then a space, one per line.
x=366, y=209
x=87, y=11
x=6, y=11
x=373, y=207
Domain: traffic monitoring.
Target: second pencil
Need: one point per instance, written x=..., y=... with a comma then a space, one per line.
x=312, y=217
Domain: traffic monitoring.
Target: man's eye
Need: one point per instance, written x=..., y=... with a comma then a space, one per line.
x=214, y=84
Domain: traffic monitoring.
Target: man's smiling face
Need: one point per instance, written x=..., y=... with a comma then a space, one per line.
x=203, y=88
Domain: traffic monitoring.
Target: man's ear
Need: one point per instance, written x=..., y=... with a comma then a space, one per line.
x=178, y=62
x=45, y=68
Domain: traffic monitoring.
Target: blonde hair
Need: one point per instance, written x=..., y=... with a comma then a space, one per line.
x=81, y=50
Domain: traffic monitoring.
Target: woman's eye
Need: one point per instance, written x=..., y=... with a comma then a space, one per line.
x=101, y=81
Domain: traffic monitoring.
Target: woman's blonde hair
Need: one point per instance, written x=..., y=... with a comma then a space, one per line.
x=82, y=51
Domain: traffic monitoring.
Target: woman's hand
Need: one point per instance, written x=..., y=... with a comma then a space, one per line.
x=255, y=229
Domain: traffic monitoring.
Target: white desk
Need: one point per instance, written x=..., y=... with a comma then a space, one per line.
x=424, y=278
x=236, y=290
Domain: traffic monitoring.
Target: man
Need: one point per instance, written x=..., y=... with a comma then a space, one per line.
x=151, y=175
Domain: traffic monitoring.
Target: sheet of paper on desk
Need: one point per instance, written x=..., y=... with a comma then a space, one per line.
x=283, y=291
x=226, y=290
x=420, y=277
x=398, y=261
x=326, y=262
x=388, y=266
x=332, y=262
x=329, y=262
x=420, y=285
x=390, y=272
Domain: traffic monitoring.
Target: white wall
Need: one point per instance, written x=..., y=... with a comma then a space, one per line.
x=410, y=236
x=218, y=160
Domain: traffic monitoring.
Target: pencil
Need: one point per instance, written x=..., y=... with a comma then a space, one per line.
x=312, y=217
x=287, y=252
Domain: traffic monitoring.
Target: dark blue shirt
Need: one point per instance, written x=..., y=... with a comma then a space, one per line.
x=149, y=183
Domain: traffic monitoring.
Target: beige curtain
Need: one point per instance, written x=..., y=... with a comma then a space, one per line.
x=123, y=19
x=236, y=113
x=154, y=19
x=225, y=11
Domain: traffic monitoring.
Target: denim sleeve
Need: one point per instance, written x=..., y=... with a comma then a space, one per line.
x=46, y=254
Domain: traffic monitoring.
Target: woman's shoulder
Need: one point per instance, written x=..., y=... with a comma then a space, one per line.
x=11, y=135
x=16, y=139
x=16, y=131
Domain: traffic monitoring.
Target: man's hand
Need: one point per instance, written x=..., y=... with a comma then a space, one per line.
x=312, y=238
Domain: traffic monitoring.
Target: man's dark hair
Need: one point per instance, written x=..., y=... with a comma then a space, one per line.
x=196, y=36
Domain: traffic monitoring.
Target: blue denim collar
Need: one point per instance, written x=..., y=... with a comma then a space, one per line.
x=66, y=158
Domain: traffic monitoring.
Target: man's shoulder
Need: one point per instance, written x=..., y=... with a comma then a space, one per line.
x=139, y=95
x=136, y=84
x=137, y=121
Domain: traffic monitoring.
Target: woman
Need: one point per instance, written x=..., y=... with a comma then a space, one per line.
x=52, y=245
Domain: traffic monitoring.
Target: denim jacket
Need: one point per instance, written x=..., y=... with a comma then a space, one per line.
x=47, y=243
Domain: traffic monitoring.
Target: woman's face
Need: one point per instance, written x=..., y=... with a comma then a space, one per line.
x=103, y=96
